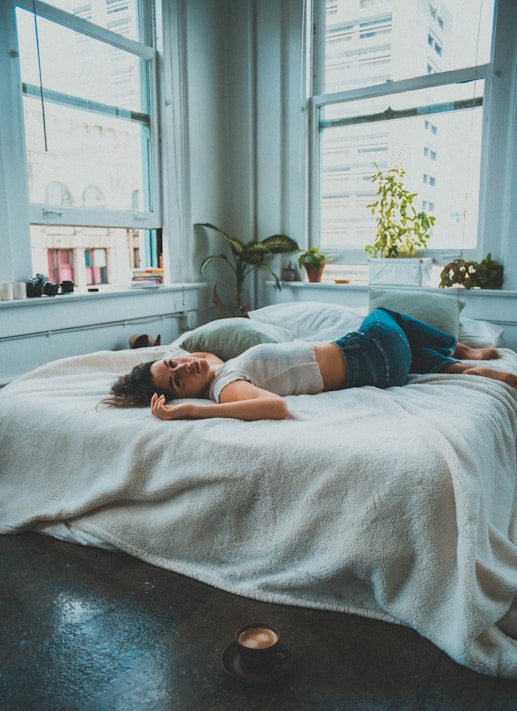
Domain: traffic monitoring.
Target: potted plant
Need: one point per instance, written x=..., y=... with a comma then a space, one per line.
x=486, y=274
x=246, y=257
x=401, y=231
x=313, y=260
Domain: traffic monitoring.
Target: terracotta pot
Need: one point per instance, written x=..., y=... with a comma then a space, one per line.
x=314, y=273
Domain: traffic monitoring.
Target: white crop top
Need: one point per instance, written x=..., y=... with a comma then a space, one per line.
x=280, y=368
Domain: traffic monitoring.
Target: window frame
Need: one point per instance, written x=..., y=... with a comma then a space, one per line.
x=319, y=99
x=48, y=214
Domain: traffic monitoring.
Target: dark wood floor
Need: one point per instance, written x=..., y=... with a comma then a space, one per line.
x=85, y=629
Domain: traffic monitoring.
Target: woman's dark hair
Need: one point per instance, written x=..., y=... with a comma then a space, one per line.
x=134, y=389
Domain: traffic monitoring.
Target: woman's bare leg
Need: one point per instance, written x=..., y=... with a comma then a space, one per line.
x=464, y=352
x=508, y=378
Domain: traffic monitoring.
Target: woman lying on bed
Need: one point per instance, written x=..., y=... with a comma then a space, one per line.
x=386, y=348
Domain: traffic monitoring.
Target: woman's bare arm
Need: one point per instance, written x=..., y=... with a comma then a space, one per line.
x=239, y=399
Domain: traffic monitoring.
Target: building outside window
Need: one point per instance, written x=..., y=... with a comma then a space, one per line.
x=398, y=83
x=88, y=76
x=60, y=265
x=96, y=266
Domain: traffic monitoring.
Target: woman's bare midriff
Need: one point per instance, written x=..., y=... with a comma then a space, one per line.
x=332, y=366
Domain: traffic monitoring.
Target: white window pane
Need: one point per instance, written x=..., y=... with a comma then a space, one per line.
x=119, y=16
x=440, y=152
x=79, y=66
x=90, y=136
x=373, y=41
x=84, y=150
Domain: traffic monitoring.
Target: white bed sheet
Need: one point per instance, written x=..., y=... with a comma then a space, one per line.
x=396, y=504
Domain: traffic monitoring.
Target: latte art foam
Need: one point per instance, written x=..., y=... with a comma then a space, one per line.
x=258, y=638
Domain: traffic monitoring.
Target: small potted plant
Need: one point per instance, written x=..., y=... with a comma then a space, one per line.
x=245, y=258
x=401, y=231
x=486, y=274
x=313, y=261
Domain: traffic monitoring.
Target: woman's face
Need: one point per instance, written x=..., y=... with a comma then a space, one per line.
x=182, y=376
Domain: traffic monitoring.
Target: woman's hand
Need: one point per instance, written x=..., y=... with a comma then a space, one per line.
x=167, y=412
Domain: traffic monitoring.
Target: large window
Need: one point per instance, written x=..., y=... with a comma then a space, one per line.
x=398, y=83
x=87, y=71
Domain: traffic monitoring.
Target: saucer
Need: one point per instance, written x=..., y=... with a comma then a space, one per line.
x=232, y=665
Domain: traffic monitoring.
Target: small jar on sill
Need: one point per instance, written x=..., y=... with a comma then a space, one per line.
x=289, y=273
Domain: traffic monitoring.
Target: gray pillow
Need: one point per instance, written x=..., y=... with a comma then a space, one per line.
x=229, y=337
x=438, y=310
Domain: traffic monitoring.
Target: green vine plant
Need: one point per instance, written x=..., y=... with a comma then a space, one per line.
x=486, y=274
x=245, y=258
x=401, y=228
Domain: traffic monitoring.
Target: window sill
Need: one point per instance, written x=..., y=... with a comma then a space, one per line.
x=113, y=293
x=364, y=286
x=41, y=316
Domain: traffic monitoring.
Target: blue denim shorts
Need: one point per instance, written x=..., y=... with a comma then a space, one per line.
x=389, y=345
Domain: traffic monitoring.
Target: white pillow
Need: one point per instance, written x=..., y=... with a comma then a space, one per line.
x=229, y=337
x=438, y=310
x=480, y=334
x=311, y=320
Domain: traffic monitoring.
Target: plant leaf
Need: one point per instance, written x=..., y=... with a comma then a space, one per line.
x=256, y=247
x=268, y=269
x=278, y=244
x=238, y=247
x=253, y=258
x=206, y=261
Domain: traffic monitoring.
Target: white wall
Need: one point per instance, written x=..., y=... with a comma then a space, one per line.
x=264, y=124
x=499, y=225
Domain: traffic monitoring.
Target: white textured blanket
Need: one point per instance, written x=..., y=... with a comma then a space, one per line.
x=397, y=504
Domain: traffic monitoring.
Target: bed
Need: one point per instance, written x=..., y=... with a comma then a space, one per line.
x=395, y=504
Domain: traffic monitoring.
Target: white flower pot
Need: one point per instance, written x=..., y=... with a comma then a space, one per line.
x=410, y=271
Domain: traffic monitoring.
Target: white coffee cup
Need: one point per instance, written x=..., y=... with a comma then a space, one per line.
x=6, y=291
x=19, y=290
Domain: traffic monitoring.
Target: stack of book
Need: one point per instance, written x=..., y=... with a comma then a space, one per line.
x=145, y=278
